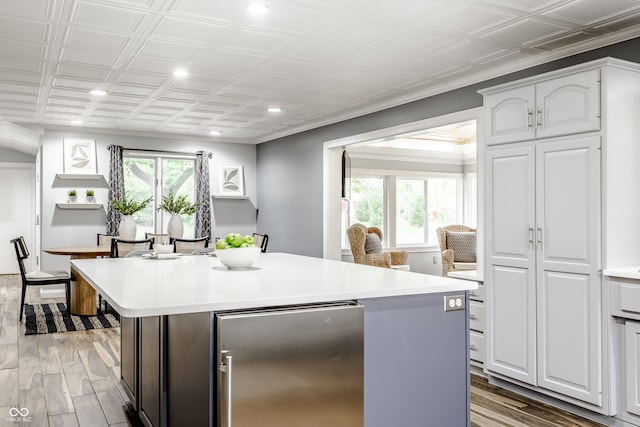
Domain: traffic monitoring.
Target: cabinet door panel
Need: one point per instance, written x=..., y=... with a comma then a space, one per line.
x=632, y=377
x=511, y=323
x=568, y=338
x=509, y=115
x=511, y=206
x=568, y=105
x=568, y=200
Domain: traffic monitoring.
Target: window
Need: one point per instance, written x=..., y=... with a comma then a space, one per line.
x=154, y=176
x=408, y=209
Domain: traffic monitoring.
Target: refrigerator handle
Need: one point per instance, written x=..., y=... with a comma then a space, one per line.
x=226, y=367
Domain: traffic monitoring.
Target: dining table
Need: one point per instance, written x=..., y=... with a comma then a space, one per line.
x=83, y=295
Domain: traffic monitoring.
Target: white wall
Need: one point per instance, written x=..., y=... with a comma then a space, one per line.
x=79, y=227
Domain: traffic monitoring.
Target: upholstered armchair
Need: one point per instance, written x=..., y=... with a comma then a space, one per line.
x=458, y=247
x=366, y=247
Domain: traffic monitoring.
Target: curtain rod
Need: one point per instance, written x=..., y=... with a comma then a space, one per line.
x=209, y=154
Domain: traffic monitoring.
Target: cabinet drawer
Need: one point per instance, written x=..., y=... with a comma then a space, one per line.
x=625, y=298
x=477, y=294
x=476, y=346
x=476, y=316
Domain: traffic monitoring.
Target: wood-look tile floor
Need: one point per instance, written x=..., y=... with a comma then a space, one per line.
x=72, y=379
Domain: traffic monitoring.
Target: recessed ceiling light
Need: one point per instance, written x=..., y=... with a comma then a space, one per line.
x=180, y=73
x=258, y=6
x=214, y=133
x=274, y=109
x=76, y=122
x=98, y=92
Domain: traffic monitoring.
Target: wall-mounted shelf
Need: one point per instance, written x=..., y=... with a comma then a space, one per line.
x=86, y=206
x=79, y=176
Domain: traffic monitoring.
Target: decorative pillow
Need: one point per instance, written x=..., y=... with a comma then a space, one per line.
x=373, y=245
x=463, y=245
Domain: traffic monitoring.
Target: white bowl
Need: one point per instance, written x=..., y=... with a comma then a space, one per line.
x=238, y=257
x=162, y=249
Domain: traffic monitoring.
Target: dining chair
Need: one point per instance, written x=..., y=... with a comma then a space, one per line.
x=104, y=240
x=261, y=240
x=121, y=248
x=187, y=246
x=38, y=278
x=158, y=238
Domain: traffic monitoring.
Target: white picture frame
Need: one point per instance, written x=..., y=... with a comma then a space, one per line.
x=231, y=180
x=79, y=156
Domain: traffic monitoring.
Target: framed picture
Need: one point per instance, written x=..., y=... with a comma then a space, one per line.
x=80, y=156
x=231, y=180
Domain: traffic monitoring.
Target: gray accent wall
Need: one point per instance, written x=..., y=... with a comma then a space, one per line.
x=290, y=169
x=79, y=227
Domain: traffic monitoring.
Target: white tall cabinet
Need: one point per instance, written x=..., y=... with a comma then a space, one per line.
x=554, y=163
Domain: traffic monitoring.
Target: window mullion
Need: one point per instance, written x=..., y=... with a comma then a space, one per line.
x=390, y=215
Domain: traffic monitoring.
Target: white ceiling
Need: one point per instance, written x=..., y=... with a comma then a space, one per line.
x=320, y=60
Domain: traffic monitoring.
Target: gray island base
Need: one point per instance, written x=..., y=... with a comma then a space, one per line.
x=326, y=343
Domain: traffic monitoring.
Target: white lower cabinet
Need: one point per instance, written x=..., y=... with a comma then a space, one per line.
x=632, y=367
x=476, y=326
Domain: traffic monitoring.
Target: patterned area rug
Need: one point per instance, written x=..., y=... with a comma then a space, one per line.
x=48, y=318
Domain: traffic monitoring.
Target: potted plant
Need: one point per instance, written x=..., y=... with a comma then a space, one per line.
x=127, y=207
x=72, y=196
x=176, y=206
x=90, y=195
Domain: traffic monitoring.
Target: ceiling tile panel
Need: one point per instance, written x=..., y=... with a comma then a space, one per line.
x=138, y=90
x=23, y=29
x=182, y=95
x=527, y=5
x=188, y=30
x=525, y=32
x=621, y=24
x=233, y=60
x=24, y=50
x=320, y=51
x=89, y=57
x=290, y=19
x=14, y=88
x=20, y=78
x=417, y=41
x=106, y=16
x=468, y=20
x=101, y=40
x=589, y=12
x=37, y=9
x=83, y=85
x=177, y=52
x=258, y=41
x=82, y=72
x=146, y=80
x=197, y=85
x=225, y=11
x=22, y=65
x=357, y=31
x=407, y=13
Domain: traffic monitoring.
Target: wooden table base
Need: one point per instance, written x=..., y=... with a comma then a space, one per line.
x=83, y=296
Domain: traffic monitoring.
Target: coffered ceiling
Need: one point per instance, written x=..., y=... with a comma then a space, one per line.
x=319, y=60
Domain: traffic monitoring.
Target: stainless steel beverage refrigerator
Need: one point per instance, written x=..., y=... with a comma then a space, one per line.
x=295, y=366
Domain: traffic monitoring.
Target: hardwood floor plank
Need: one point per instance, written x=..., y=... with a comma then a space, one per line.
x=57, y=394
x=88, y=412
x=63, y=420
x=9, y=388
x=77, y=378
x=8, y=355
x=111, y=401
x=29, y=373
x=33, y=400
x=49, y=358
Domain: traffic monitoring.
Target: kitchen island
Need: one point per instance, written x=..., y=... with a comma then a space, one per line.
x=414, y=355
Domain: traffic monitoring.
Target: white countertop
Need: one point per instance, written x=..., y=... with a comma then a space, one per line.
x=623, y=272
x=138, y=287
x=466, y=275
